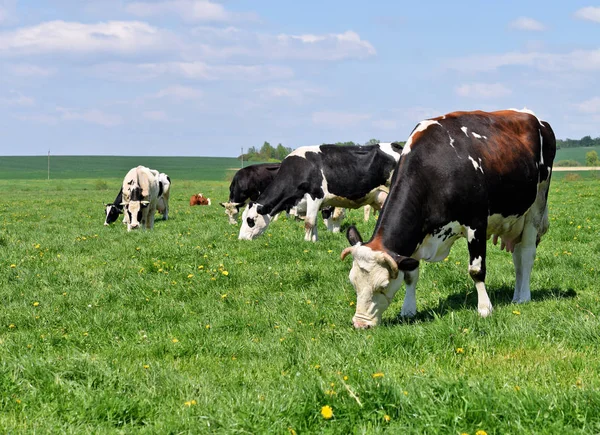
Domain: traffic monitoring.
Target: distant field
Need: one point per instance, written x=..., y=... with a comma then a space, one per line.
x=101, y=167
x=575, y=154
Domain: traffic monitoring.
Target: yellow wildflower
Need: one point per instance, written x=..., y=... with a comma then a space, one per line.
x=327, y=412
x=35, y=304
x=378, y=375
x=460, y=350
x=225, y=273
x=175, y=340
x=146, y=366
x=207, y=326
x=12, y=266
x=481, y=432
x=387, y=418
x=12, y=326
x=191, y=275
x=517, y=313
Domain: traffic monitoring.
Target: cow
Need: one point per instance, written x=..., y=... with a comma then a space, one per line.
x=333, y=217
x=314, y=177
x=199, y=199
x=247, y=184
x=140, y=197
x=114, y=210
x=164, y=191
x=465, y=174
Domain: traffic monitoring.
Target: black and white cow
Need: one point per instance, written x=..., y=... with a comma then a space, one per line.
x=466, y=174
x=314, y=177
x=164, y=190
x=247, y=184
x=114, y=210
x=140, y=197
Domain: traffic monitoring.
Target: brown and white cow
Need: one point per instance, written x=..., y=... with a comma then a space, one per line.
x=140, y=197
x=199, y=199
x=466, y=174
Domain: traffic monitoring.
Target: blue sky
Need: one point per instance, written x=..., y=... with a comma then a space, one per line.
x=206, y=78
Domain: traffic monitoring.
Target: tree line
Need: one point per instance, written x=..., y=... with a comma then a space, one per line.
x=585, y=141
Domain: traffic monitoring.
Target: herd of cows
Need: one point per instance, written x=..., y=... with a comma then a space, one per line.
x=477, y=175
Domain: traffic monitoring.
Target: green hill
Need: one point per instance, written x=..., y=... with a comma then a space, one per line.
x=99, y=167
x=577, y=154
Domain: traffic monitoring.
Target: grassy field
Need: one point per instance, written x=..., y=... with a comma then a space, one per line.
x=185, y=329
x=577, y=154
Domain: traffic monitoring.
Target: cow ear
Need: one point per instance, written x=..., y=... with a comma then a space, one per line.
x=406, y=264
x=222, y=204
x=353, y=236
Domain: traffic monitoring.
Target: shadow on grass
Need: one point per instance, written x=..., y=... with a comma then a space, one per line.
x=461, y=301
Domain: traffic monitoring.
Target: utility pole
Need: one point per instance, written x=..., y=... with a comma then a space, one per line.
x=48, y=163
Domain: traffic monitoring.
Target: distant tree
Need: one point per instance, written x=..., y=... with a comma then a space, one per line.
x=267, y=151
x=591, y=158
x=281, y=152
x=372, y=142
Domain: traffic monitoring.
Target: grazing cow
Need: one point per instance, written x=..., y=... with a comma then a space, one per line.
x=114, y=210
x=247, y=184
x=333, y=217
x=164, y=191
x=466, y=174
x=199, y=199
x=319, y=176
x=140, y=197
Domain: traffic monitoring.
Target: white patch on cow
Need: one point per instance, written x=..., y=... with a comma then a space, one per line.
x=541, y=148
x=470, y=234
x=387, y=148
x=475, y=266
x=476, y=165
x=530, y=112
x=465, y=131
x=451, y=140
x=478, y=136
x=484, y=306
x=421, y=127
x=301, y=152
x=436, y=246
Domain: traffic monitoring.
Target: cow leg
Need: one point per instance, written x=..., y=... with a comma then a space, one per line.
x=477, y=250
x=366, y=212
x=523, y=258
x=409, y=306
x=166, y=213
x=310, y=221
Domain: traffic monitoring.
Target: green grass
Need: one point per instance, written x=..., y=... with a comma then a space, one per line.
x=185, y=329
x=577, y=154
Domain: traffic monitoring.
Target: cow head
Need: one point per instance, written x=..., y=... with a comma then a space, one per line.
x=112, y=213
x=253, y=223
x=232, y=209
x=136, y=209
x=376, y=277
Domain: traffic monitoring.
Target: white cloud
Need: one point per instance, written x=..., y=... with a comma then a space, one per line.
x=179, y=93
x=92, y=116
x=529, y=24
x=483, y=90
x=29, y=70
x=591, y=106
x=17, y=99
x=232, y=42
x=123, y=37
x=589, y=13
x=38, y=118
x=203, y=71
x=578, y=60
x=188, y=10
x=156, y=115
x=339, y=119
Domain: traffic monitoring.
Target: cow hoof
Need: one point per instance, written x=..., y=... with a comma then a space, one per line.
x=485, y=311
x=361, y=325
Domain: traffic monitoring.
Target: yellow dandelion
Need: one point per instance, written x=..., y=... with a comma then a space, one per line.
x=465, y=330
x=37, y=246
x=12, y=266
x=517, y=388
x=516, y=313
x=460, y=350
x=224, y=296
x=327, y=412
x=18, y=401
x=207, y=326
x=35, y=304
x=225, y=273
x=387, y=418
x=317, y=366
x=291, y=431
x=345, y=378
x=329, y=251
x=191, y=275
x=405, y=393
x=85, y=334
x=200, y=267
x=481, y=432
x=11, y=326
x=378, y=375
x=146, y=366
x=64, y=293
x=351, y=303
x=175, y=340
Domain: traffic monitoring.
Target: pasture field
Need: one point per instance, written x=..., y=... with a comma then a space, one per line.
x=185, y=329
x=577, y=153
